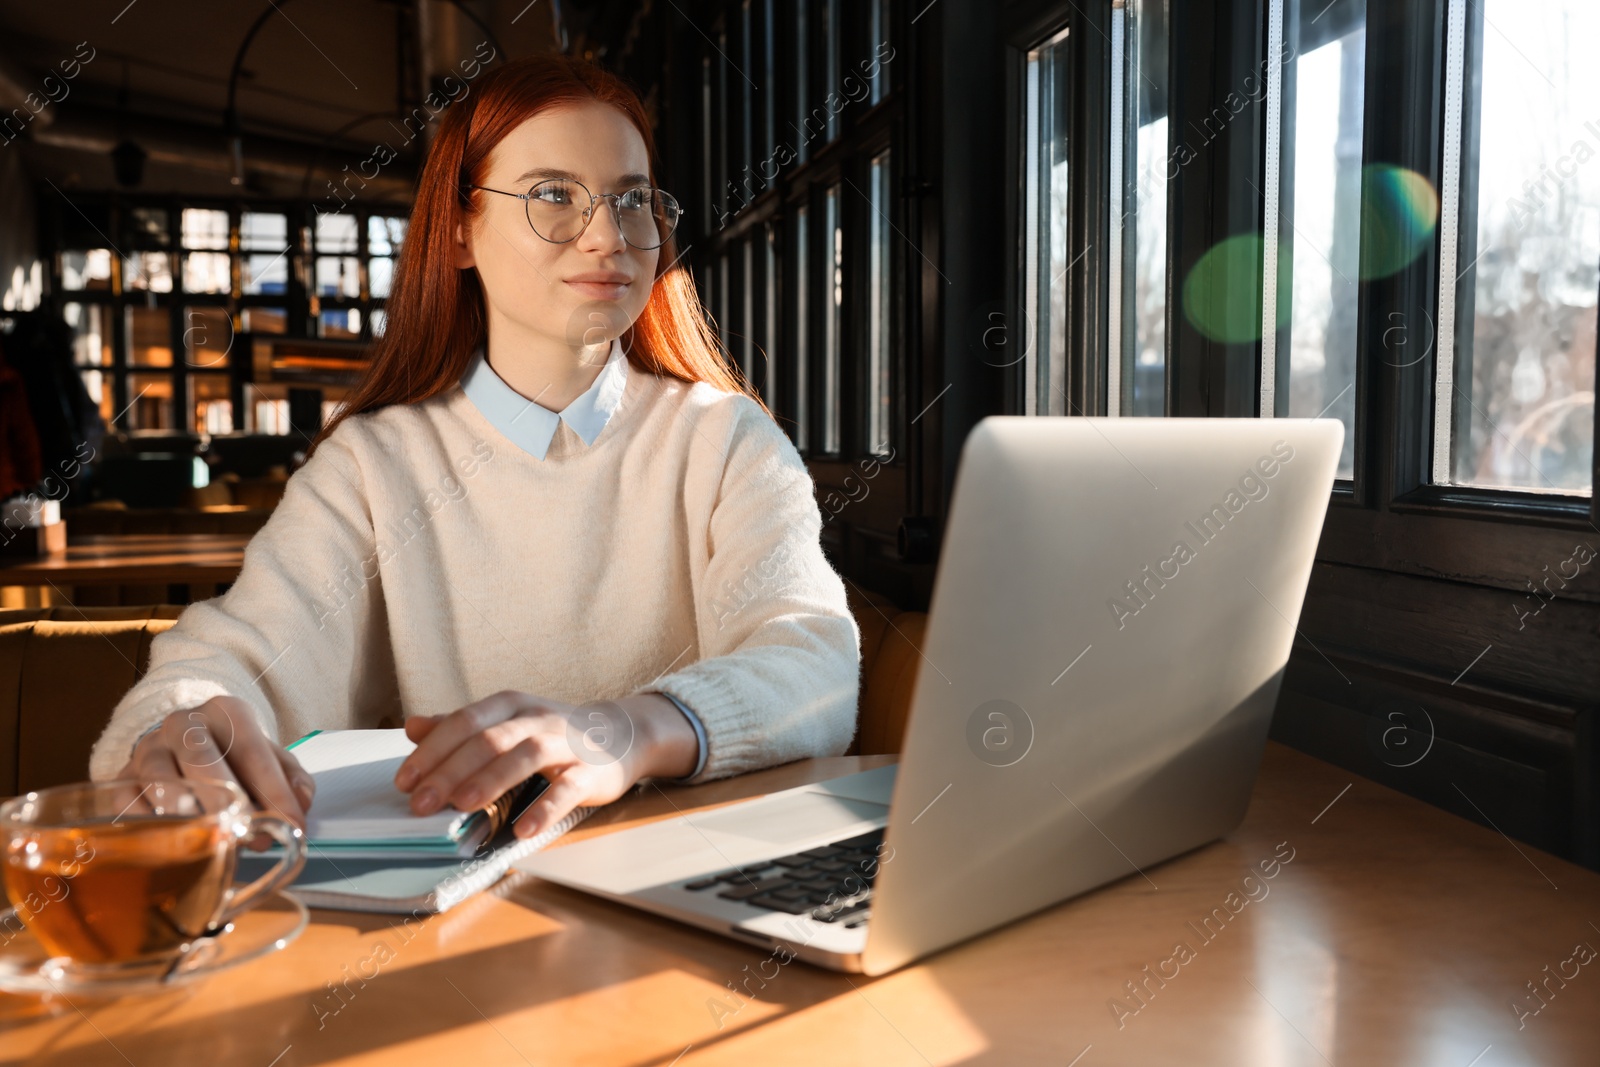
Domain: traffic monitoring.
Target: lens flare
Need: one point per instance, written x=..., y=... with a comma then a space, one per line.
x=1222, y=294
x=1399, y=210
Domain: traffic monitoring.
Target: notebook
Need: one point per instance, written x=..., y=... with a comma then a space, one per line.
x=367, y=852
x=357, y=807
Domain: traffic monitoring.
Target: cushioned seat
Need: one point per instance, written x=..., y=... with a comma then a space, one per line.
x=63, y=669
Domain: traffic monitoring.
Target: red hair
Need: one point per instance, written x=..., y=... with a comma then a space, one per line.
x=435, y=315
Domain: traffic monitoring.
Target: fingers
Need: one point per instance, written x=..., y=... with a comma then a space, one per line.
x=221, y=740
x=566, y=791
x=300, y=780
x=447, y=734
x=467, y=776
x=156, y=763
x=529, y=756
x=255, y=759
x=420, y=726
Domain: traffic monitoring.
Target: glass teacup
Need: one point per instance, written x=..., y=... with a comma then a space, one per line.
x=117, y=876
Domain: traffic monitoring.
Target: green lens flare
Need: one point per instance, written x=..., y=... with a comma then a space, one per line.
x=1399, y=210
x=1222, y=294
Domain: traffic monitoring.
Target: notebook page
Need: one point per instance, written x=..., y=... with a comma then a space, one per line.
x=356, y=796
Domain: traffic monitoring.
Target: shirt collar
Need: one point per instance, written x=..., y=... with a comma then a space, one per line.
x=531, y=426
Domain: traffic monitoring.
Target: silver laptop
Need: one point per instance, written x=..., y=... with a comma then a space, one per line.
x=1113, y=610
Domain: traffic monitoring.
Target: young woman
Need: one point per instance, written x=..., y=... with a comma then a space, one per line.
x=550, y=531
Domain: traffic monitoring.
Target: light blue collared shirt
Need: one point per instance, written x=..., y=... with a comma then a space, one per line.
x=531, y=427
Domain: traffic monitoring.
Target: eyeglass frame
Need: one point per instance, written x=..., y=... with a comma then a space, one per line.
x=616, y=211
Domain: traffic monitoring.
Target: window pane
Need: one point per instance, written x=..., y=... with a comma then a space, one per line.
x=98, y=383
x=336, y=233
x=265, y=320
x=207, y=337
x=770, y=313
x=802, y=325
x=149, y=336
x=147, y=227
x=149, y=402
x=1320, y=214
x=724, y=309
x=376, y=320
x=385, y=235
x=769, y=77
x=91, y=334
x=263, y=232
x=213, y=408
x=747, y=315
x=880, y=318
x=264, y=273
x=1046, y=259
x=86, y=270
x=708, y=171
x=1522, y=399
x=877, y=42
x=380, y=272
x=802, y=85
x=830, y=57
x=150, y=271
x=204, y=228
x=832, y=320
x=268, y=414
x=340, y=322
x=338, y=276
x=206, y=272
x=1142, y=383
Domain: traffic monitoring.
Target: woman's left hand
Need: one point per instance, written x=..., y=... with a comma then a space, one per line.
x=591, y=753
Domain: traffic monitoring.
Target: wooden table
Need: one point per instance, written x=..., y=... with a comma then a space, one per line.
x=1396, y=934
x=149, y=559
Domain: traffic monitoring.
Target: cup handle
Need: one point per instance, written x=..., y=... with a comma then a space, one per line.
x=283, y=872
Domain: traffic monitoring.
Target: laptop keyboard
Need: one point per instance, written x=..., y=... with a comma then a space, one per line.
x=832, y=883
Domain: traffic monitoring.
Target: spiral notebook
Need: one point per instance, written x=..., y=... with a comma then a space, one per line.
x=367, y=852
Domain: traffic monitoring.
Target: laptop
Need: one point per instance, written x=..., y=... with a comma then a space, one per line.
x=1111, y=617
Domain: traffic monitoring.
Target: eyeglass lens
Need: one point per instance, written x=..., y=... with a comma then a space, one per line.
x=557, y=210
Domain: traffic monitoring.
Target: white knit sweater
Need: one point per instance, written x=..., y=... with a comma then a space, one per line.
x=420, y=561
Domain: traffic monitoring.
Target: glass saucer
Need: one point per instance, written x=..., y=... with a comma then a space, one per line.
x=26, y=967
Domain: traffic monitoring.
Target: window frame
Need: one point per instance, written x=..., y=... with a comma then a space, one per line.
x=299, y=301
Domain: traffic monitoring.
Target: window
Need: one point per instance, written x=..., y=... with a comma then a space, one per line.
x=207, y=337
x=1515, y=407
x=880, y=315
x=1046, y=211
x=1313, y=226
x=770, y=314
x=212, y=407
x=830, y=59
x=1136, y=379
x=878, y=34
x=156, y=313
x=832, y=320
x=796, y=259
x=800, y=86
x=86, y=270
x=802, y=335
x=91, y=350
x=747, y=315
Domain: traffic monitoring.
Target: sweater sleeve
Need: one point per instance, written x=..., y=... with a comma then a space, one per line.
x=779, y=673
x=287, y=634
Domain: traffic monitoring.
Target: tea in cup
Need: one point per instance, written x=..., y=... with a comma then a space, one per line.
x=118, y=875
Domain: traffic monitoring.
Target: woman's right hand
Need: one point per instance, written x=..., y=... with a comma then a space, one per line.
x=221, y=741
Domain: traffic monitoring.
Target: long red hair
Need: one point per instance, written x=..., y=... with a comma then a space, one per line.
x=435, y=315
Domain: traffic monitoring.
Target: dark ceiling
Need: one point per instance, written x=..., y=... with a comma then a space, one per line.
x=322, y=82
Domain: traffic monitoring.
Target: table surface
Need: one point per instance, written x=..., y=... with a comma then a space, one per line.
x=114, y=559
x=1393, y=933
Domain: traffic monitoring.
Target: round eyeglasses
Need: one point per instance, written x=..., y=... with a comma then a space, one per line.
x=559, y=210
